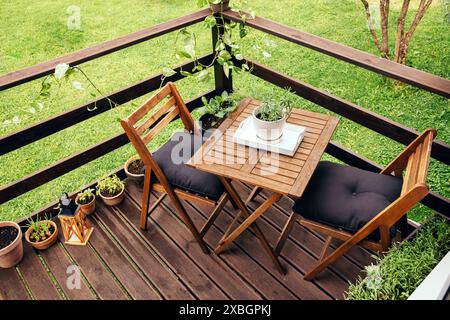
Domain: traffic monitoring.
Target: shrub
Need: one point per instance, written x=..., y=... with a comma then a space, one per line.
x=405, y=266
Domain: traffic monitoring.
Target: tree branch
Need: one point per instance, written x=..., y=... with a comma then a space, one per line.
x=384, y=15
x=371, y=28
x=400, y=30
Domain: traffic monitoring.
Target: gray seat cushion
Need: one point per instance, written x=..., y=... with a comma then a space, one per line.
x=172, y=158
x=346, y=197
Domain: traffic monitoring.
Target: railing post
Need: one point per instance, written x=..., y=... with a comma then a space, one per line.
x=223, y=83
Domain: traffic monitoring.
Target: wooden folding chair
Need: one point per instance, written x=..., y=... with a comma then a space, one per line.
x=140, y=128
x=413, y=161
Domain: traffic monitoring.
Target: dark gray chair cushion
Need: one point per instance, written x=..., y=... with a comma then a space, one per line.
x=346, y=197
x=172, y=158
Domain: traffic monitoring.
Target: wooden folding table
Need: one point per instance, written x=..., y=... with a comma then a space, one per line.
x=281, y=174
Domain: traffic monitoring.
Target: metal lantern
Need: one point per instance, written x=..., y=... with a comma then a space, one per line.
x=75, y=227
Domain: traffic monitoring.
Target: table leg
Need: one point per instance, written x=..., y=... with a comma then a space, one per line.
x=250, y=219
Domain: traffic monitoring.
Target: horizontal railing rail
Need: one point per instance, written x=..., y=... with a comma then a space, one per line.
x=55, y=170
x=71, y=117
x=418, y=78
x=75, y=58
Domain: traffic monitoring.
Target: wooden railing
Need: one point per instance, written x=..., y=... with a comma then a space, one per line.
x=364, y=117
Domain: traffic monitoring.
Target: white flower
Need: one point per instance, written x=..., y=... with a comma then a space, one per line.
x=77, y=85
x=32, y=110
x=40, y=105
x=6, y=122
x=60, y=70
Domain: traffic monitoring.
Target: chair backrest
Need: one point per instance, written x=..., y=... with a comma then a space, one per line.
x=141, y=127
x=414, y=161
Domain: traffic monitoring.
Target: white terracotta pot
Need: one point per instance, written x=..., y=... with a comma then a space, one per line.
x=268, y=130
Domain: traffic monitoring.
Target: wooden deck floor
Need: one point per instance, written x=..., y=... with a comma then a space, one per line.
x=122, y=262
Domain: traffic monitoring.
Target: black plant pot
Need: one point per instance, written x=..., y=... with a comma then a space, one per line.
x=208, y=122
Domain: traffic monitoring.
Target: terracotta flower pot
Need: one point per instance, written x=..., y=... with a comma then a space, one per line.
x=133, y=176
x=42, y=245
x=87, y=208
x=225, y=6
x=12, y=254
x=113, y=201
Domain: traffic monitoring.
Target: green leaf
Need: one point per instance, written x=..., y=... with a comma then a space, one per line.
x=185, y=54
x=167, y=72
x=224, y=95
x=204, y=100
x=220, y=46
x=201, y=3
x=210, y=21
x=226, y=69
x=203, y=75
x=239, y=56
x=225, y=55
x=242, y=30
x=185, y=73
x=245, y=66
x=226, y=38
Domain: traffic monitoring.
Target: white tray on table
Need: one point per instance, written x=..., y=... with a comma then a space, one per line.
x=287, y=144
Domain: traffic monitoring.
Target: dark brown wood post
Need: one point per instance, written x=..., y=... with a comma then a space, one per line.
x=223, y=83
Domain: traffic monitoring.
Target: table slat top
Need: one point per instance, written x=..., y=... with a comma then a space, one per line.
x=280, y=173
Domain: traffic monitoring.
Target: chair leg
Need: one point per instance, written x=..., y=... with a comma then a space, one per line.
x=340, y=251
x=325, y=247
x=145, y=200
x=156, y=204
x=188, y=221
x=253, y=194
x=385, y=238
x=285, y=233
x=225, y=197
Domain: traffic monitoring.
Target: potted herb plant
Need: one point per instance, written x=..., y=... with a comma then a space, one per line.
x=215, y=110
x=86, y=201
x=134, y=168
x=269, y=118
x=11, y=249
x=41, y=234
x=111, y=190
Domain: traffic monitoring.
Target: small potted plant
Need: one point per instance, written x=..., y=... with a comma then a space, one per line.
x=41, y=234
x=269, y=119
x=86, y=201
x=215, y=110
x=111, y=190
x=11, y=249
x=134, y=168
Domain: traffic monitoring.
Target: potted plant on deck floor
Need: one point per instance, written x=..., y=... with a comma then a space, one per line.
x=111, y=190
x=134, y=168
x=41, y=234
x=215, y=110
x=11, y=249
x=269, y=118
x=86, y=201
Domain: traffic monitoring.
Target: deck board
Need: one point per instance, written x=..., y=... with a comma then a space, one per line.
x=123, y=262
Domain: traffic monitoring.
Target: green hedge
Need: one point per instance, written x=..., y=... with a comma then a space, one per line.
x=396, y=275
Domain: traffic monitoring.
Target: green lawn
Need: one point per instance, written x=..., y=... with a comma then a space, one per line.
x=37, y=31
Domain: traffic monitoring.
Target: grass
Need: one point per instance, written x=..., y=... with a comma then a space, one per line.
x=36, y=32
x=404, y=267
